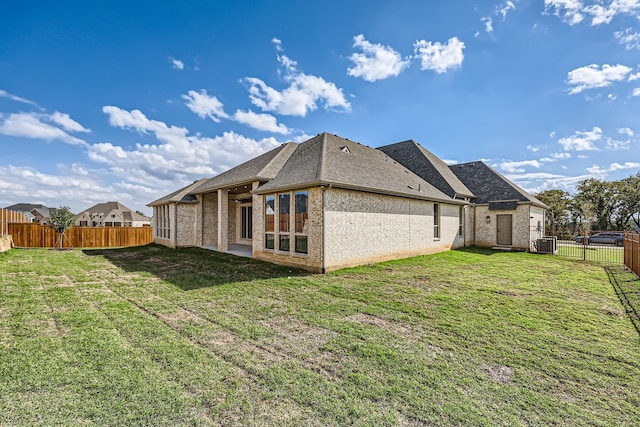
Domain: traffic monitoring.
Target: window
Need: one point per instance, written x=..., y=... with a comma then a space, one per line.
x=269, y=222
x=302, y=215
x=287, y=233
x=83, y=223
x=284, y=210
x=436, y=221
x=163, y=225
x=461, y=221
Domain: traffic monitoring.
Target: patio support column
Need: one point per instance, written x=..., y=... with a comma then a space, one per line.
x=257, y=225
x=223, y=221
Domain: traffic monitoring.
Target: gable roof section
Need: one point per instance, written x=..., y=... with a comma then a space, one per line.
x=44, y=212
x=261, y=168
x=331, y=160
x=428, y=166
x=489, y=185
x=180, y=196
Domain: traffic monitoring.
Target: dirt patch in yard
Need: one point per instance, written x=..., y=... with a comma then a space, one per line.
x=499, y=373
x=388, y=325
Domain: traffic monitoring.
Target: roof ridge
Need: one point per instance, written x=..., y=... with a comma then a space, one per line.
x=280, y=149
x=323, y=156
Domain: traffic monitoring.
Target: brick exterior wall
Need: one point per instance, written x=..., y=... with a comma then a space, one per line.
x=522, y=223
x=185, y=227
x=363, y=227
x=210, y=219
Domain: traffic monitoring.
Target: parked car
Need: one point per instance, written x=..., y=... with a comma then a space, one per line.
x=609, y=238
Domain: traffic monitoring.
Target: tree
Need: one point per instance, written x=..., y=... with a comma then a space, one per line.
x=629, y=195
x=603, y=199
x=61, y=219
x=558, y=203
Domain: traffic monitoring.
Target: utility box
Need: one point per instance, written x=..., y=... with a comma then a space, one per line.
x=547, y=245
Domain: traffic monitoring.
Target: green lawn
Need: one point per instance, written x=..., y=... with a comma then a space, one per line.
x=152, y=336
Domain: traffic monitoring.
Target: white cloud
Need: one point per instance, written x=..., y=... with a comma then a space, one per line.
x=601, y=11
x=634, y=76
x=636, y=92
x=615, y=144
x=582, y=141
x=31, y=125
x=204, y=105
x=177, y=64
x=625, y=131
x=178, y=156
x=505, y=8
x=555, y=157
x=532, y=148
x=540, y=181
x=5, y=94
x=439, y=57
x=264, y=122
x=603, y=14
x=594, y=76
x=612, y=97
x=516, y=167
x=488, y=23
x=629, y=38
x=603, y=172
x=67, y=122
x=304, y=94
x=72, y=186
x=375, y=62
x=567, y=10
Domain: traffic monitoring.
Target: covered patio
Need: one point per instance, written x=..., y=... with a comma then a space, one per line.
x=233, y=249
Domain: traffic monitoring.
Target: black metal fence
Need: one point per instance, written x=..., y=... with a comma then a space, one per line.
x=598, y=246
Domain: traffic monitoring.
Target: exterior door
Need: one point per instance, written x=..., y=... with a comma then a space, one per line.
x=246, y=222
x=504, y=230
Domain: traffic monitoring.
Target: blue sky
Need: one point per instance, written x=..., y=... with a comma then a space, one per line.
x=129, y=101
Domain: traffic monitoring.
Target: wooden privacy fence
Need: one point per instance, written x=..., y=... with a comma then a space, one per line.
x=7, y=217
x=632, y=252
x=40, y=236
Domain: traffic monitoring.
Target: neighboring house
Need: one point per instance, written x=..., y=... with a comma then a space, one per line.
x=501, y=214
x=111, y=214
x=26, y=209
x=42, y=215
x=329, y=203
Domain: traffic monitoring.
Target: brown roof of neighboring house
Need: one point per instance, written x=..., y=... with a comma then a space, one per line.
x=428, y=166
x=331, y=160
x=105, y=208
x=261, y=168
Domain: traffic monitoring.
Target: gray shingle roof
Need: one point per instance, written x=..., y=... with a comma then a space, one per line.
x=24, y=207
x=489, y=185
x=179, y=196
x=427, y=166
x=261, y=168
x=329, y=159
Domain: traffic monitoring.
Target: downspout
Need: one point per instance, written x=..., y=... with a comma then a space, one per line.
x=475, y=223
x=324, y=228
x=175, y=225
